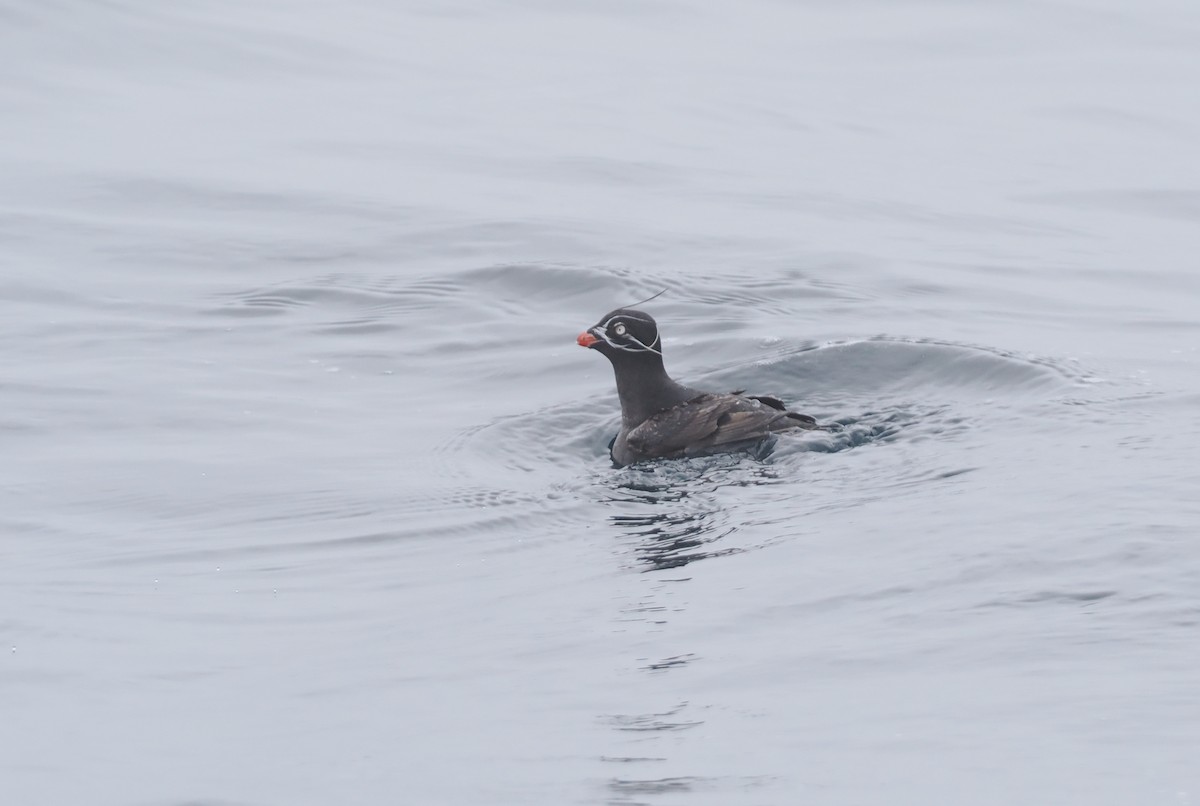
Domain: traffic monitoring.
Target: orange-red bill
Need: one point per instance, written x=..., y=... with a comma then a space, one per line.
x=586, y=339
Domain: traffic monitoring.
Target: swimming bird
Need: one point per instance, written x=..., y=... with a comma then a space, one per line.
x=662, y=419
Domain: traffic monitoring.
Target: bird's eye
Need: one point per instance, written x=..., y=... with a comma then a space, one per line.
x=619, y=329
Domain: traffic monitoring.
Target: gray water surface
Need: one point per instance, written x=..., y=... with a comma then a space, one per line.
x=307, y=498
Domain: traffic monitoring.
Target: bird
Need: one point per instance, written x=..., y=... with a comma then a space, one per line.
x=663, y=419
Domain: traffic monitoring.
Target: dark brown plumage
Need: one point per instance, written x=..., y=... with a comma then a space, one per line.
x=662, y=419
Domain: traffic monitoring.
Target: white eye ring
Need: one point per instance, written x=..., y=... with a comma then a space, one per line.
x=619, y=329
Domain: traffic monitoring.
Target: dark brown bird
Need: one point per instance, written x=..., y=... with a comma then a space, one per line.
x=662, y=419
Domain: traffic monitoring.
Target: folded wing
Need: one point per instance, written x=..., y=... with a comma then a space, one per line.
x=711, y=422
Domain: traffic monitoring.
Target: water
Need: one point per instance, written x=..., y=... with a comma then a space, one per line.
x=307, y=501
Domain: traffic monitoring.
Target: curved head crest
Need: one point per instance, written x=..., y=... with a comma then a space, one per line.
x=626, y=330
x=629, y=330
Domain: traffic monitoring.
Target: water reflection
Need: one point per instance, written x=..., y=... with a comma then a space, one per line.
x=668, y=515
x=669, y=720
x=671, y=511
x=672, y=540
x=624, y=789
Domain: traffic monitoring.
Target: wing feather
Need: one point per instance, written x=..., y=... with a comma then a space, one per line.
x=712, y=421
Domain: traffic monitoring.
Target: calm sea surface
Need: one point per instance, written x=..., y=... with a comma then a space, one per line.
x=305, y=497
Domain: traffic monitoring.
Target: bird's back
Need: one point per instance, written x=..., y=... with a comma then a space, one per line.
x=707, y=423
